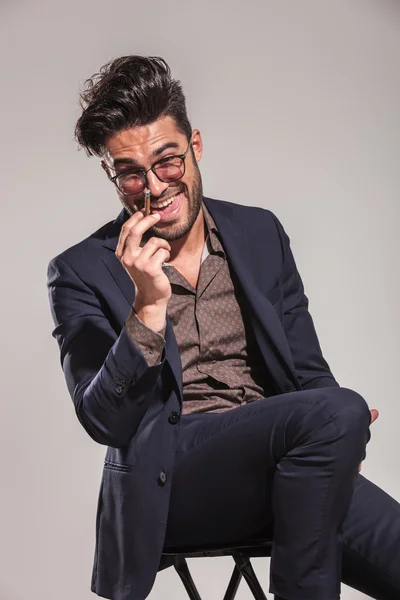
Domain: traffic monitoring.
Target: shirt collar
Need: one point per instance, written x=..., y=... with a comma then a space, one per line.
x=212, y=244
x=213, y=241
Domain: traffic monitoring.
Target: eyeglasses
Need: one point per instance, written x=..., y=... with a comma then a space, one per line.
x=167, y=170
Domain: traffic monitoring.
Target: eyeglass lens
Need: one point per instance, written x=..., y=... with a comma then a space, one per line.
x=134, y=181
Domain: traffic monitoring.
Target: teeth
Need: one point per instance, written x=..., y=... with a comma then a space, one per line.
x=164, y=203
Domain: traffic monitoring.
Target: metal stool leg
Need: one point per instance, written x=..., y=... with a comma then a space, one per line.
x=182, y=569
x=233, y=584
x=244, y=566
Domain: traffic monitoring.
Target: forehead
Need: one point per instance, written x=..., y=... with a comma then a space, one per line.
x=141, y=141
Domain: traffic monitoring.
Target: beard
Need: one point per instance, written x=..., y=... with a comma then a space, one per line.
x=194, y=198
x=177, y=231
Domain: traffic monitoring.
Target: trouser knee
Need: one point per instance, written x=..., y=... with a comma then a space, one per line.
x=348, y=408
x=351, y=416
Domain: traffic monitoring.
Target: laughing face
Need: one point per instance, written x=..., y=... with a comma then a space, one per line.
x=130, y=151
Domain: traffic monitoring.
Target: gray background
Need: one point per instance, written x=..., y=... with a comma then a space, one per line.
x=306, y=95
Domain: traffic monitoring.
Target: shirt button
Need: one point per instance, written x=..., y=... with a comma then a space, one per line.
x=162, y=478
x=174, y=418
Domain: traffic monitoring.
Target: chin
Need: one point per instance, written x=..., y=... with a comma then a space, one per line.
x=172, y=233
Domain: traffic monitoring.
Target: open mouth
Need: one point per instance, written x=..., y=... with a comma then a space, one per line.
x=160, y=204
x=168, y=206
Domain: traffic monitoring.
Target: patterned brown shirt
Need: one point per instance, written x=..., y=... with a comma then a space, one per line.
x=222, y=367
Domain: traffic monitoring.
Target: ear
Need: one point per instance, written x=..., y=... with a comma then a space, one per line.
x=106, y=169
x=197, y=144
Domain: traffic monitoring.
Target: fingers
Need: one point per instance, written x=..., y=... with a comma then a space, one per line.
x=154, y=253
x=123, y=234
x=137, y=257
x=151, y=247
x=374, y=414
x=134, y=227
x=155, y=263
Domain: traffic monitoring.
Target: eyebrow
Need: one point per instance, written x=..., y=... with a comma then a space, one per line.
x=131, y=161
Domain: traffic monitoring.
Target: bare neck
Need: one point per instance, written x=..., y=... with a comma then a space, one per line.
x=192, y=243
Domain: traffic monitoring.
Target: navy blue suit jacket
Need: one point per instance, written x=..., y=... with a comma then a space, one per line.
x=124, y=404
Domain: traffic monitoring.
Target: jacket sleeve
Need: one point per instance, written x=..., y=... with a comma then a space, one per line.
x=311, y=368
x=107, y=377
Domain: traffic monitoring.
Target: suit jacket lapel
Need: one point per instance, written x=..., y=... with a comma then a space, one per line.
x=236, y=237
x=112, y=263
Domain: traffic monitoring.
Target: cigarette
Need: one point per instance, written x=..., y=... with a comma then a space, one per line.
x=147, y=203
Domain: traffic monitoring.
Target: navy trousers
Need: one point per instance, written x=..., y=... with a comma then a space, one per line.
x=288, y=464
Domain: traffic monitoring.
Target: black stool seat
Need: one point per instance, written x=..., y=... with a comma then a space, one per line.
x=241, y=553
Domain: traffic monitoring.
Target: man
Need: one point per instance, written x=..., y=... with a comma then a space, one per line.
x=189, y=351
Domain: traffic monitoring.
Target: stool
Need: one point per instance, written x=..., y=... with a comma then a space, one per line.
x=241, y=554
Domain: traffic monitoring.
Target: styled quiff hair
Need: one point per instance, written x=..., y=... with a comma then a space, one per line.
x=128, y=91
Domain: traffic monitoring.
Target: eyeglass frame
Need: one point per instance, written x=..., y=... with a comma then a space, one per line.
x=145, y=171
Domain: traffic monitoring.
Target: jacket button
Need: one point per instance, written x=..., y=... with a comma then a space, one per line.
x=174, y=418
x=120, y=387
x=162, y=478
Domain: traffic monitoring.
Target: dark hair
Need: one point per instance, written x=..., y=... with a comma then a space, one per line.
x=128, y=91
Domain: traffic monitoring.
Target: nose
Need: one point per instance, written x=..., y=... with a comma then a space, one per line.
x=155, y=186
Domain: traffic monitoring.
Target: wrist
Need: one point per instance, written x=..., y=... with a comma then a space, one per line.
x=152, y=315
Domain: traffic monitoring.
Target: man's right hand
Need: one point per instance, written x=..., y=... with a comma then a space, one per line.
x=144, y=266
